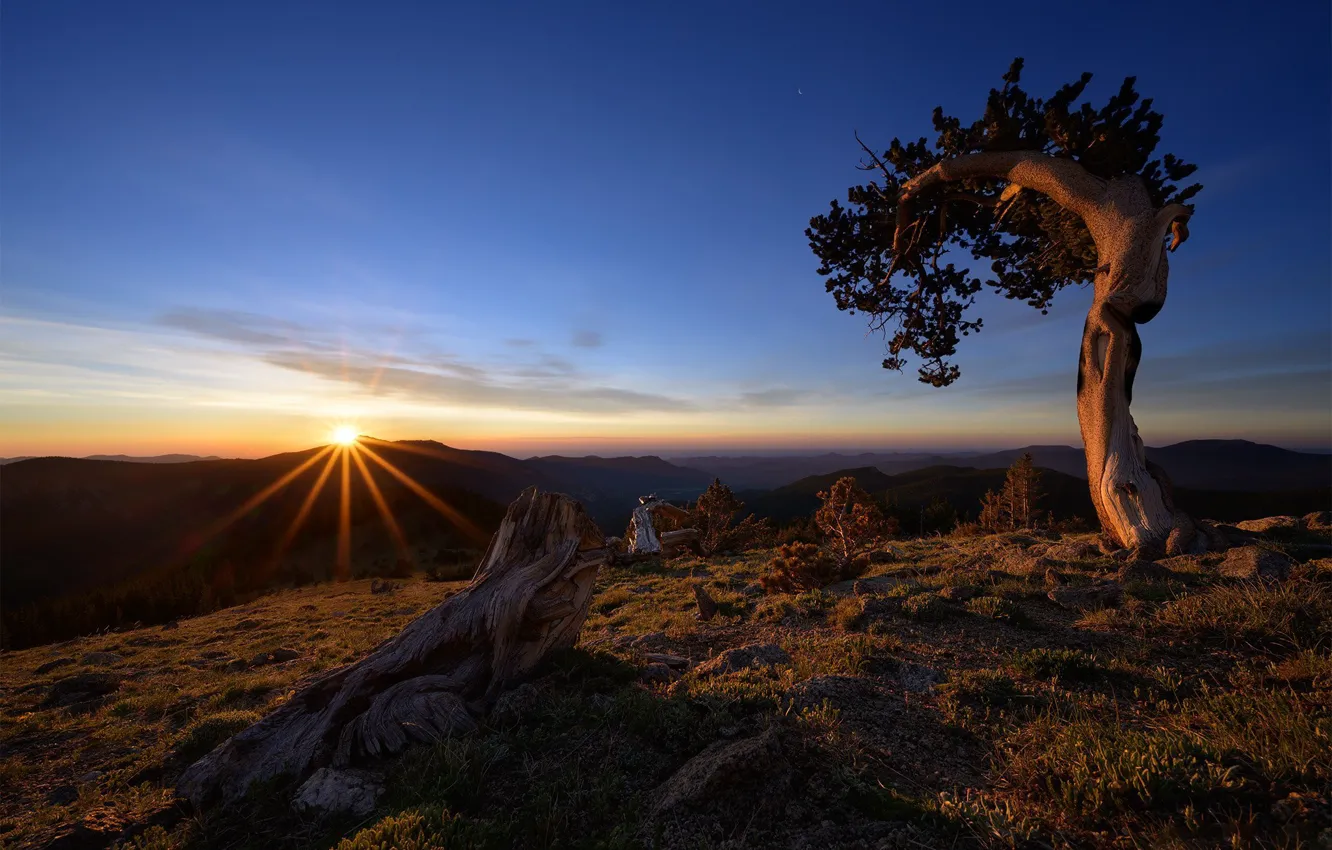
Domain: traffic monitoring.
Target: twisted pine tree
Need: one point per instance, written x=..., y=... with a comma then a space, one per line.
x=1049, y=194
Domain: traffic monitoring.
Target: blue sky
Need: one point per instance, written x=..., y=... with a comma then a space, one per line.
x=579, y=227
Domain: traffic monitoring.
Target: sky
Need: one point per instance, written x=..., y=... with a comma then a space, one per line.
x=537, y=228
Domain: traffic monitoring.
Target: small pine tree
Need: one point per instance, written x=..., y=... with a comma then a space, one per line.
x=848, y=518
x=1016, y=505
x=713, y=514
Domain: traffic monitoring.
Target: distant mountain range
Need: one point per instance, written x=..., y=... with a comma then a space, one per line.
x=125, y=458
x=1066, y=496
x=1195, y=464
x=70, y=526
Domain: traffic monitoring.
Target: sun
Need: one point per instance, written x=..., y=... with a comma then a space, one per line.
x=345, y=435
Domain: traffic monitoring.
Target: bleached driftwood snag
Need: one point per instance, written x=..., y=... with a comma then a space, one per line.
x=643, y=538
x=530, y=595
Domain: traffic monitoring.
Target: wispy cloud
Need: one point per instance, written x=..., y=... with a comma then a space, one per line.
x=542, y=382
x=588, y=339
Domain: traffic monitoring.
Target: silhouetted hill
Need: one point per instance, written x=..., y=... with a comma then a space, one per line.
x=126, y=458
x=766, y=473
x=1067, y=496
x=609, y=487
x=905, y=493
x=68, y=525
x=1196, y=464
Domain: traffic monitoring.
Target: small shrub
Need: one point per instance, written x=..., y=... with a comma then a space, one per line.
x=984, y=688
x=849, y=518
x=610, y=599
x=1057, y=664
x=805, y=566
x=1002, y=610
x=1091, y=770
x=849, y=614
x=926, y=607
x=902, y=591
x=207, y=732
x=1308, y=671
x=1291, y=615
x=967, y=529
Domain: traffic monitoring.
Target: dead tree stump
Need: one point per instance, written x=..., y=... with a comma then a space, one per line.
x=434, y=678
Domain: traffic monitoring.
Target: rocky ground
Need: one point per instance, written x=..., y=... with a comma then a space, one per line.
x=1005, y=691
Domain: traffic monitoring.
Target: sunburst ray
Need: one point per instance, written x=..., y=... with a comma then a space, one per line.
x=400, y=541
x=448, y=511
x=301, y=515
x=342, y=566
x=258, y=499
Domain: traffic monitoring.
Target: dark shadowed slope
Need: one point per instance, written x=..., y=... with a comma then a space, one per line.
x=68, y=525
x=1195, y=464
x=126, y=458
x=1066, y=495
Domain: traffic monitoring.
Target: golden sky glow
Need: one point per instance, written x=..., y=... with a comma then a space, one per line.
x=78, y=389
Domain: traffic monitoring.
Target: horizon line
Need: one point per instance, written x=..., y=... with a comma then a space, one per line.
x=676, y=454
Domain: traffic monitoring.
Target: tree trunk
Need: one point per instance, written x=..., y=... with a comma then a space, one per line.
x=530, y=595
x=1132, y=497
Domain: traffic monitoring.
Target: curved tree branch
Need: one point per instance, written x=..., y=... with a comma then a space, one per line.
x=1063, y=180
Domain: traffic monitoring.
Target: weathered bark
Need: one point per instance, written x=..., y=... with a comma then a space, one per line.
x=1132, y=498
x=530, y=595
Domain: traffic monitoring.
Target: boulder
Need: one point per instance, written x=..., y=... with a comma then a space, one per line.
x=1143, y=571
x=1262, y=526
x=656, y=672
x=917, y=678
x=80, y=688
x=1088, y=598
x=765, y=655
x=958, y=592
x=1318, y=520
x=330, y=791
x=283, y=654
x=53, y=664
x=667, y=659
x=1249, y=562
x=515, y=704
x=743, y=772
x=844, y=693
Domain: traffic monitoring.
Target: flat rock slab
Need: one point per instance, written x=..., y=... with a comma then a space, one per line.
x=81, y=688
x=1143, y=571
x=330, y=791
x=1266, y=524
x=742, y=772
x=1255, y=562
x=762, y=655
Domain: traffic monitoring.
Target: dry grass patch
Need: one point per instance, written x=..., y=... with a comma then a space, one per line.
x=1280, y=617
